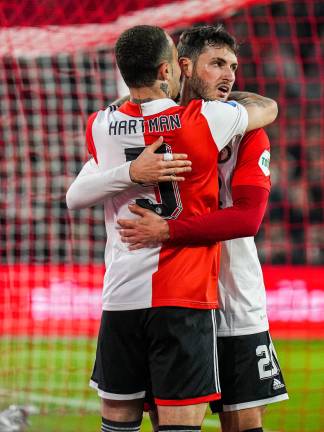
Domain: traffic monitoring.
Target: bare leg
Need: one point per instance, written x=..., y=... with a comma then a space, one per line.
x=189, y=415
x=122, y=411
x=237, y=421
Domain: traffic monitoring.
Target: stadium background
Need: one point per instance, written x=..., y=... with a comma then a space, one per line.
x=57, y=67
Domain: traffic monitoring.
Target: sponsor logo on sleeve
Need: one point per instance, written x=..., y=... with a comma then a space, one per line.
x=264, y=162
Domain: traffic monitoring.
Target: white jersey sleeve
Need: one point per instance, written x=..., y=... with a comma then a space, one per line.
x=225, y=120
x=93, y=185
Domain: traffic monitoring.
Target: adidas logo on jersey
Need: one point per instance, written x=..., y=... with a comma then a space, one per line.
x=277, y=384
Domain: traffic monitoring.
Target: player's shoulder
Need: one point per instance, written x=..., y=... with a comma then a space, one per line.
x=200, y=103
x=200, y=106
x=223, y=110
x=110, y=109
x=193, y=105
x=91, y=119
x=191, y=111
x=102, y=113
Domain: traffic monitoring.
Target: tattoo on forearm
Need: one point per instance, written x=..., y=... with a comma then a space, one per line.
x=250, y=102
x=250, y=99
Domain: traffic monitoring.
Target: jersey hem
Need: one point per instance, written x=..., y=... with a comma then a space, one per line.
x=161, y=303
x=257, y=403
x=126, y=306
x=185, y=303
x=242, y=332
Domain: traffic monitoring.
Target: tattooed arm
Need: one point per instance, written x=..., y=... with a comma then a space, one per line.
x=261, y=110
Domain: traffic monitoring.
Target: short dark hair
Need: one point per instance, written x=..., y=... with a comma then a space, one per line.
x=193, y=42
x=140, y=51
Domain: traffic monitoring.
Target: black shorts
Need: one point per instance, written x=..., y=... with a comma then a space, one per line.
x=170, y=350
x=249, y=371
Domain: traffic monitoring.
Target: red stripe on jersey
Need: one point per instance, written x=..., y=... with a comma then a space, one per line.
x=185, y=276
x=89, y=138
x=188, y=265
x=131, y=109
x=195, y=269
x=184, y=402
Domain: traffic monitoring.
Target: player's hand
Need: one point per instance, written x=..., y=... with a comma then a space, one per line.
x=150, y=167
x=148, y=230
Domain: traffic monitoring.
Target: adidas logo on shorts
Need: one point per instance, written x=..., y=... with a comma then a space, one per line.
x=277, y=384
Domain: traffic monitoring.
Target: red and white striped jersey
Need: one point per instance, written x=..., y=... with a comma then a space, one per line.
x=242, y=294
x=165, y=275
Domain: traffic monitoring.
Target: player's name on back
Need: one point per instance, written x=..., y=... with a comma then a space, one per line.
x=133, y=126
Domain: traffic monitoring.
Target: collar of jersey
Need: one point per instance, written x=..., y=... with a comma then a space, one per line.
x=147, y=108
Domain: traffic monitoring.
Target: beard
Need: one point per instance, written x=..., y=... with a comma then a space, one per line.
x=202, y=90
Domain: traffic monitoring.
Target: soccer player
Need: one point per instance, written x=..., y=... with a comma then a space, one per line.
x=250, y=375
x=141, y=337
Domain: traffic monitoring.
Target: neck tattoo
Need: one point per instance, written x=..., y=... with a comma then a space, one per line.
x=165, y=88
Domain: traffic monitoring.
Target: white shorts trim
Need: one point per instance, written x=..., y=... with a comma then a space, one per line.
x=216, y=371
x=257, y=403
x=116, y=396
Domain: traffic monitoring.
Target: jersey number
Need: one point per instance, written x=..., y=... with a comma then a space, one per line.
x=168, y=203
x=268, y=363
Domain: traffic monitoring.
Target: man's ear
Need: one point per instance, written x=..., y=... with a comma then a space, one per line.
x=186, y=66
x=164, y=71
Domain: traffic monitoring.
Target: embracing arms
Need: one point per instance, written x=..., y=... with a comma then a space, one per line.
x=243, y=219
x=93, y=185
x=250, y=187
x=261, y=110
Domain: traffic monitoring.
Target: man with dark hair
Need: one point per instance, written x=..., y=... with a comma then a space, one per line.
x=195, y=40
x=198, y=45
x=249, y=371
x=158, y=323
x=140, y=69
